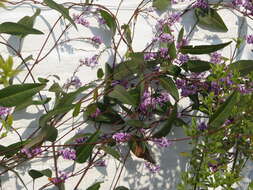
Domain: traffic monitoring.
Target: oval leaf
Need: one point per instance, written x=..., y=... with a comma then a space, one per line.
x=197, y=66
x=110, y=21
x=17, y=29
x=243, y=66
x=168, y=84
x=223, y=112
x=210, y=18
x=95, y=186
x=16, y=94
x=203, y=49
x=39, y=173
x=161, y=5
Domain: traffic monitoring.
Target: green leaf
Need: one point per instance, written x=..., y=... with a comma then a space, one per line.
x=210, y=18
x=203, y=49
x=16, y=94
x=121, y=94
x=111, y=151
x=110, y=20
x=39, y=173
x=161, y=5
x=17, y=29
x=136, y=123
x=224, y=111
x=14, y=148
x=243, y=66
x=77, y=109
x=168, y=84
x=127, y=33
x=84, y=151
x=121, y=188
x=197, y=66
x=49, y=133
x=29, y=21
x=30, y=102
x=100, y=73
x=180, y=35
x=61, y=9
x=165, y=130
x=95, y=186
x=53, y=113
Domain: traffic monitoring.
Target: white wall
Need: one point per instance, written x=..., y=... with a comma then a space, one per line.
x=63, y=60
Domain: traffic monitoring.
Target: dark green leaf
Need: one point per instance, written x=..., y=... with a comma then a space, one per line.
x=111, y=151
x=77, y=109
x=121, y=188
x=95, y=186
x=29, y=21
x=166, y=128
x=30, y=102
x=203, y=49
x=127, y=33
x=210, y=18
x=121, y=94
x=53, y=113
x=17, y=29
x=224, y=111
x=100, y=73
x=168, y=84
x=136, y=123
x=109, y=19
x=180, y=35
x=61, y=9
x=16, y=94
x=197, y=66
x=161, y=5
x=49, y=133
x=243, y=66
x=84, y=151
x=39, y=173
x=14, y=148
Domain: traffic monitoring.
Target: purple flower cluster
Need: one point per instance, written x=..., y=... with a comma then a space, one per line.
x=62, y=176
x=68, y=153
x=97, y=40
x=183, y=58
x=31, y=153
x=170, y=20
x=150, y=56
x=90, y=62
x=242, y=88
x=80, y=140
x=79, y=19
x=121, y=137
x=246, y=6
x=166, y=38
x=4, y=111
x=216, y=58
x=152, y=167
x=164, y=53
x=186, y=87
x=162, y=142
x=201, y=4
x=249, y=39
x=148, y=102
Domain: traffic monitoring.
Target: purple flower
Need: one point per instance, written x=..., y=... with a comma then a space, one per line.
x=162, y=142
x=174, y=17
x=215, y=57
x=80, y=140
x=202, y=126
x=201, y=4
x=62, y=176
x=164, y=52
x=4, y=111
x=152, y=167
x=90, y=62
x=79, y=19
x=147, y=102
x=182, y=43
x=237, y=2
x=182, y=59
x=97, y=40
x=96, y=113
x=215, y=87
x=166, y=38
x=249, y=39
x=149, y=56
x=121, y=137
x=164, y=97
x=68, y=153
x=31, y=153
x=101, y=21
